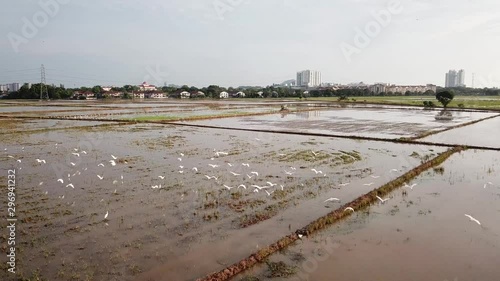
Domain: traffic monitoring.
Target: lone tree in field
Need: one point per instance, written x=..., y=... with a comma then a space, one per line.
x=445, y=97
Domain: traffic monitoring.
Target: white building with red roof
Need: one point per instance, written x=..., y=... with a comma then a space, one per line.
x=144, y=87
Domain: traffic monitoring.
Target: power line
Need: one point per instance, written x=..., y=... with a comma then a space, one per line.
x=20, y=70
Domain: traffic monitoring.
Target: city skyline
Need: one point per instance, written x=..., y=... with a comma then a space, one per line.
x=455, y=78
x=195, y=43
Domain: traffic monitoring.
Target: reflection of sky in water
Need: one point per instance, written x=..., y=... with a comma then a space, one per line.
x=369, y=122
x=485, y=133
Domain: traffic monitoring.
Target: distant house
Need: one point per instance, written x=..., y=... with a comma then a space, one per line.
x=114, y=94
x=238, y=95
x=146, y=87
x=106, y=88
x=224, y=95
x=180, y=95
x=138, y=95
x=197, y=94
x=155, y=95
x=185, y=95
x=84, y=95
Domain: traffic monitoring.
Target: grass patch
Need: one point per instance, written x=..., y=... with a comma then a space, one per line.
x=280, y=269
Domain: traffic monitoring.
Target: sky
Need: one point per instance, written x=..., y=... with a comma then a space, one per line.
x=248, y=42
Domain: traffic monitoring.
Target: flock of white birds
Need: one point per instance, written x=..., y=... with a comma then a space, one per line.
x=269, y=188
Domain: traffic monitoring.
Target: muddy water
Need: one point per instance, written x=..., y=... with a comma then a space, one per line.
x=12, y=126
x=18, y=109
x=485, y=133
x=423, y=235
x=191, y=224
x=374, y=122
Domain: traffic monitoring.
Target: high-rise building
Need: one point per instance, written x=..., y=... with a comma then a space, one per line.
x=308, y=78
x=13, y=87
x=461, y=78
x=455, y=79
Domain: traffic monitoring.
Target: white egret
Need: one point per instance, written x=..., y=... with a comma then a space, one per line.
x=221, y=153
x=382, y=200
x=473, y=219
x=410, y=186
x=260, y=187
x=269, y=193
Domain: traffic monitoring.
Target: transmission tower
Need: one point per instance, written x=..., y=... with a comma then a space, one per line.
x=44, y=94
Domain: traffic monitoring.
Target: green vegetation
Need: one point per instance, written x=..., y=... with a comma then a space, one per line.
x=445, y=97
x=429, y=104
x=280, y=269
x=474, y=102
x=195, y=117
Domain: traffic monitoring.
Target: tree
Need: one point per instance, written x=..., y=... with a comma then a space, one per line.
x=445, y=97
x=97, y=89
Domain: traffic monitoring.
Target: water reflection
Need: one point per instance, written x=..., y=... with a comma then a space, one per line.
x=444, y=115
x=309, y=114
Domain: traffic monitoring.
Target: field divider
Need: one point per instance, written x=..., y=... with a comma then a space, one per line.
x=411, y=140
x=328, y=219
x=430, y=133
x=354, y=137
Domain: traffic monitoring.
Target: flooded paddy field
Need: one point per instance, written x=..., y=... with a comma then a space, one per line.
x=100, y=200
x=374, y=122
x=155, y=224
x=35, y=109
x=146, y=112
x=420, y=233
x=11, y=127
x=485, y=133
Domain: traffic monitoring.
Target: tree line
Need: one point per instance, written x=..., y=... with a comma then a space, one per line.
x=213, y=91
